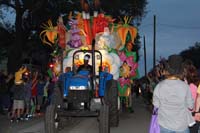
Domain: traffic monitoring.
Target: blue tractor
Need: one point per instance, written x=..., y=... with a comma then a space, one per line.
x=84, y=94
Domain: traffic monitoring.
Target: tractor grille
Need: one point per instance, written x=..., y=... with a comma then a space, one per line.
x=77, y=96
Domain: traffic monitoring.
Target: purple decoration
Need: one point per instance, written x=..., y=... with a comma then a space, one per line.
x=75, y=40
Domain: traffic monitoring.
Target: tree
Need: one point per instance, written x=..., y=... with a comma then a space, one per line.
x=116, y=8
x=193, y=54
x=6, y=40
x=30, y=14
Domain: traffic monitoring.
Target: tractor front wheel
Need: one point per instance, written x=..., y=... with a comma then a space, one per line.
x=51, y=119
x=111, y=98
x=104, y=126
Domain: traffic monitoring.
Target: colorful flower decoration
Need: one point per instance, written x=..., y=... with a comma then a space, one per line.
x=124, y=81
x=124, y=29
x=49, y=32
x=129, y=66
x=128, y=71
x=100, y=22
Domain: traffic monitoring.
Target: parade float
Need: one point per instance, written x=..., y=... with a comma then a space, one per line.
x=114, y=40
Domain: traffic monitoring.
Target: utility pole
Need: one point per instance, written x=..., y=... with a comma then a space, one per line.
x=154, y=41
x=145, y=61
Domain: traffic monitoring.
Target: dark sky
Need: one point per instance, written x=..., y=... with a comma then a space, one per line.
x=177, y=28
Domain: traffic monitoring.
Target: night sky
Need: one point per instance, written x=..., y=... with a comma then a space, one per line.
x=177, y=28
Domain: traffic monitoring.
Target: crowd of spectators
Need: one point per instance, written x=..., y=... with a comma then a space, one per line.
x=147, y=84
x=173, y=85
x=25, y=94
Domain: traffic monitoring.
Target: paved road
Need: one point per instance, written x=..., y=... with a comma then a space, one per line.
x=137, y=122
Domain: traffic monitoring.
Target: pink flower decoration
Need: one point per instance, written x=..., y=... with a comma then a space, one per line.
x=133, y=69
x=122, y=56
x=124, y=81
x=130, y=62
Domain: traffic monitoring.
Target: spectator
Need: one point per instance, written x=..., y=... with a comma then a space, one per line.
x=45, y=95
x=173, y=99
x=18, y=103
x=191, y=77
x=10, y=82
x=197, y=110
x=187, y=64
x=40, y=93
x=34, y=92
x=18, y=94
x=27, y=100
x=193, y=81
x=3, y=90
x=136, y=87
x=18, y=75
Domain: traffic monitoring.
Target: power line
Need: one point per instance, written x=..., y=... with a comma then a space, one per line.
x=173, y=26
x=179, y=26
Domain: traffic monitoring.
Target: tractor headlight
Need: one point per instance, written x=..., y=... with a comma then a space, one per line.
x=72, y=87
x=78, y=87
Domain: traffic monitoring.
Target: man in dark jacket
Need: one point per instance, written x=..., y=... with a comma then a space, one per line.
x=86, y=66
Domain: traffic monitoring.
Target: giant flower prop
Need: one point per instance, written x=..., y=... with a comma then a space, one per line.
x=125, y=28
x=49, y=32
x=129, y=66
x=127, y=71
x=100, y=22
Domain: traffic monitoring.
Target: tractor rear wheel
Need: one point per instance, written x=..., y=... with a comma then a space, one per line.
x=57, y=98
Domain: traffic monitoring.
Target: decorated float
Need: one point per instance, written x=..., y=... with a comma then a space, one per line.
x=114, y=40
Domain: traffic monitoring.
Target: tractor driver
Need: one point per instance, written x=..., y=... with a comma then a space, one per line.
x=85, y=65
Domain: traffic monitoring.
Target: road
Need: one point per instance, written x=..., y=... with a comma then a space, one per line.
x=137, y=122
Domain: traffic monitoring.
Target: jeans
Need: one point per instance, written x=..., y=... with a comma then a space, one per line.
x=195, y=128
x=164, y=130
